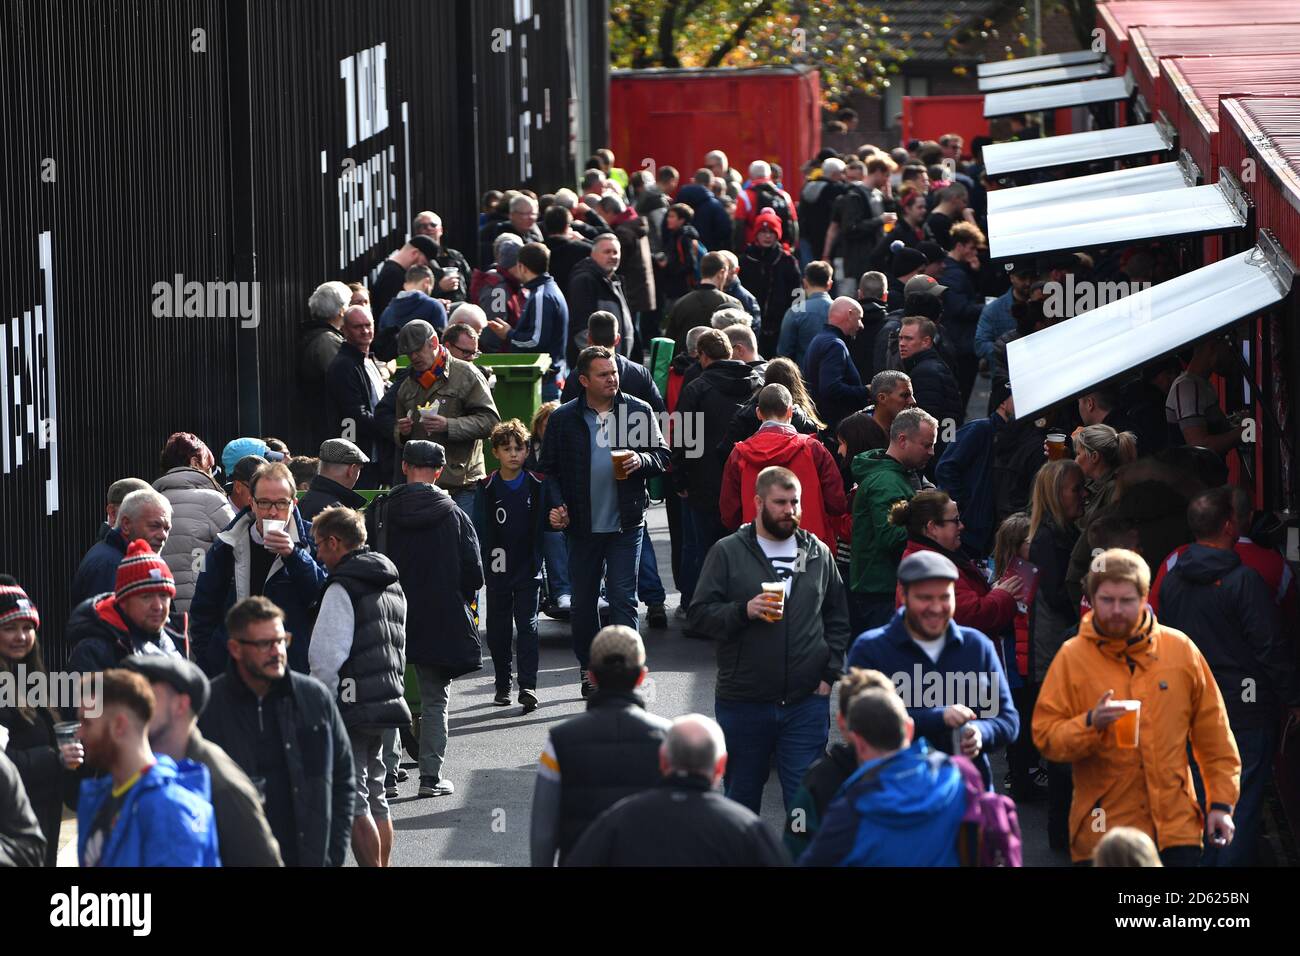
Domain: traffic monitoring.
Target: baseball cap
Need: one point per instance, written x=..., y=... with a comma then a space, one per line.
x=340, y=451
x=617, y=642
x=926, y=566
x=180, y=675
x=932, y=251
x=924, y=284
x=244, y=470
x=424, y=454
x=241, y=447
x=426, y=245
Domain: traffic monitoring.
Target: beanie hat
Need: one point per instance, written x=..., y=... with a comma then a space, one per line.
x=143, y=572
x=905, y=260
x=769, y=218
x=15, y=605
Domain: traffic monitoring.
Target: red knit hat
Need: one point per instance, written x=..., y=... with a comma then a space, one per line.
x=143, y=572
x=768, y=217
x=15, y=605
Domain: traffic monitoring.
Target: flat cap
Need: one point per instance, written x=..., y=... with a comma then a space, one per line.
x=424, y=454
x=181, y=675
x=413, y=335
x=926, y=566
x=340, y=451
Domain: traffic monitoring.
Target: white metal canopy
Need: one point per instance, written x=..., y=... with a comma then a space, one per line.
x=1059, y=96
x=1002, y=158
x=1056, y=74
x=1071, y=357
x=1102, y=222
x=1046, y=61
x=1108, y=185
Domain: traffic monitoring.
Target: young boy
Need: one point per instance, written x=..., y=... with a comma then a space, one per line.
x=509, y=516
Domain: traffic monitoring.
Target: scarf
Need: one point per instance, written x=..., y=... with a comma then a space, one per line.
x=438, y=370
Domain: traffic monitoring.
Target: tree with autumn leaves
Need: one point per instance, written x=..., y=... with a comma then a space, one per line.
x=855, y=45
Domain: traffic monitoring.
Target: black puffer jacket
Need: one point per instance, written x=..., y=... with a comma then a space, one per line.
x=101, y=637
x=710, y=401
x=606, y=754
x=1230, y=614
x=377, y=662
x=34, y=751
x=436, y=552
x=935, y=389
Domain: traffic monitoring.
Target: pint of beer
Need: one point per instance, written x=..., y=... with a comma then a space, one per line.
x=622, y=458
x=777, y=590
x=1126, y=728
x=1055, y=446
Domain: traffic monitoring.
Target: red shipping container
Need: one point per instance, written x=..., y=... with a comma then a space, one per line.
x=1150, y=44
x=674, y=117
x=929, y=117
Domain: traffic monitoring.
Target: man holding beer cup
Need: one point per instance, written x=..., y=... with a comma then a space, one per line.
x=772, y=596
x=1120, y=702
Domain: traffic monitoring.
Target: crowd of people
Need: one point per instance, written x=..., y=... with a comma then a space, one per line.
x=251, y=630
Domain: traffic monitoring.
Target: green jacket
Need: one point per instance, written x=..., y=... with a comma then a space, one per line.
x=877, y=544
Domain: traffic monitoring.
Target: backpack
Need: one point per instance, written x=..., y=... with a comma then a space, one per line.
x=990, y=830
x=377, y=523
x=766, y=196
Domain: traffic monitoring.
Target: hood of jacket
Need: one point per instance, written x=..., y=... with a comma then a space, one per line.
x=419, y=505
x=905, y=789
x=771, y=445
x=731, y=377
x=1205, y=565
x=369, y=567
x=874, y=462
x=628, y=217
x=409, y=304
x=1135, y=645
x=185, y=478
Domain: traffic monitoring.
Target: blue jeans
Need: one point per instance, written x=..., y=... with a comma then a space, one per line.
x=518, y=607
x=796, y=733
x=555, y=552
x=613, y=558
x=550, y=390
x=701, y=530
x=648, y=586
x=1256, y=745
x=465, y=499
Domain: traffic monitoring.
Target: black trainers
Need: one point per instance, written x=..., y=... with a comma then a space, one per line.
x=658, y=616
x=502, y=699
x=528, y=697
x=402, y=775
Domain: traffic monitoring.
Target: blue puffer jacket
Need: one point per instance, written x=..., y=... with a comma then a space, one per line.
x=901, y=810
x=294, y=585
x=968, y=672
x=165, y=820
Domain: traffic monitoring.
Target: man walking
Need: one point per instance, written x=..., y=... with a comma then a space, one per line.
x=772, y=595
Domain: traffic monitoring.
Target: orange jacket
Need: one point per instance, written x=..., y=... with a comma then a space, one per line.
x=1149, y=787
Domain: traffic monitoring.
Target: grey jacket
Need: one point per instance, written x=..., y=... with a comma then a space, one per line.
x=200, y=512
x=762, y=662
x=242, y=829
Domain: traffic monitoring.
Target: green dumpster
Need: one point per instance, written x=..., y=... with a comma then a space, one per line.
x=518, y=391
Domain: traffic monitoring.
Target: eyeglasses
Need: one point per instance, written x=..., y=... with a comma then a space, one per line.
x=266, y=645
x=465, y=353
x=947, y=520
x=266, y=504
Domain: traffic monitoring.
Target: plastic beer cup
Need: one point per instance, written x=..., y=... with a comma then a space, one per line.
x=1126, y=728
x=777, y=590
x=1055, y=446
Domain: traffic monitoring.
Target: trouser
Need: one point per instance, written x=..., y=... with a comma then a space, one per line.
x=796, y=733
x=392, y=750
x=1256, y=746
x=648, y=586
x=550, y=390
x=673, y=508
x=1060, y=792
x=1022, y=755
x=968, y=368
x=703, y=528
x=555, y=552
x=650, y=324
x=435, y=688
x=869, y=611
x=1181, y=856
x=465, y=500
x=517, y=607
x=613, y=558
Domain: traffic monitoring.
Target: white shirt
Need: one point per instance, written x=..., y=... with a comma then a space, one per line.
x=932, y=648
x=783, y=556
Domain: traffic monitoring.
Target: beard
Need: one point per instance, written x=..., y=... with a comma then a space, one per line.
x=99, y=752
x=1115, y=626
x=779, y=528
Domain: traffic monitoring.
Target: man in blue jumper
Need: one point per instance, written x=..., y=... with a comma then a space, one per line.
x=949, y=676
x=833, y=379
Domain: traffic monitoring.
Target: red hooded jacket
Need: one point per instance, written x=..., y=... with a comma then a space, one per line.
x=819, y=478
x=987, y=609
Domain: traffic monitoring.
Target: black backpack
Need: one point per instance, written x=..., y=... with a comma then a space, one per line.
x=767, y=197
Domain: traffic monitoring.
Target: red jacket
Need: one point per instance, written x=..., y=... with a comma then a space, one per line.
x=1266, y=562
x=978, y=605
x=819, y=477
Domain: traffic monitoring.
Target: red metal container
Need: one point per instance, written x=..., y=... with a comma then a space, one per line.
x=1150, y=44
x=929, y=117
x=1115, y=19
x=674, y=117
